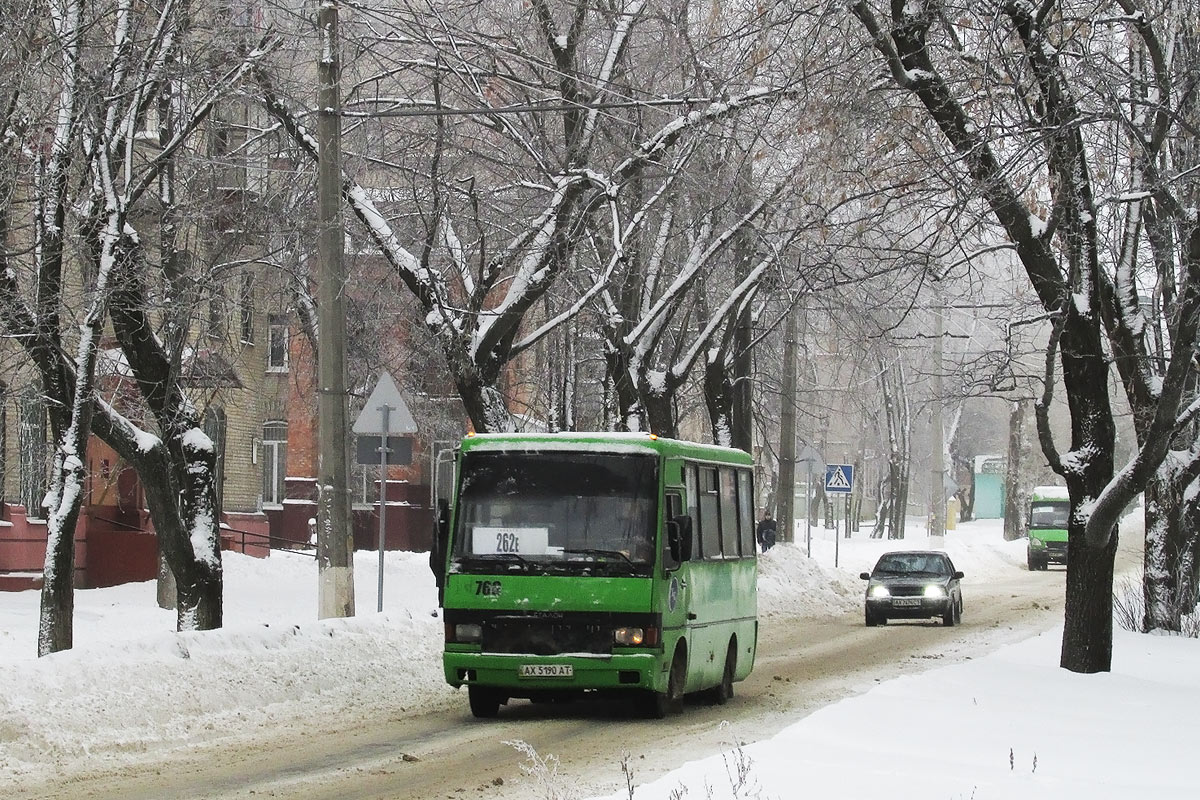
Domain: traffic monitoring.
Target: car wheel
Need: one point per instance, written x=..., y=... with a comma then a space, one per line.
x=721, y=693
x=872, y=620
x=659, y=704
x=949, y=619
x=958, y=612
x=484, y=702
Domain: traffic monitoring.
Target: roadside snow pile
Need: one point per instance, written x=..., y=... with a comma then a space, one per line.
x=134, y=689
x=789, y=584
x=1009, y=726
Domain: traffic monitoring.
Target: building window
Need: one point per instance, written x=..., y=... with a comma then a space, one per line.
x=216, y=312
x=34, y=453
x=277, y=344
x=274, y=462
x=246, y=306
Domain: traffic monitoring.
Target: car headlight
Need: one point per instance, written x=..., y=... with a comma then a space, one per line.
x=636, y=637
x=879, y=590
x=467, y=632
x=935, y=591
x=631, y=636
x=1036, y=543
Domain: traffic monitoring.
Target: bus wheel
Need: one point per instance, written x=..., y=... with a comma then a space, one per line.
x=659, y=704
x=721, y=693
x=484, y=702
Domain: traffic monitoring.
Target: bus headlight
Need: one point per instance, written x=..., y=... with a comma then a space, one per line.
x=468, y=632
x=1036, y=543
x=629, y=636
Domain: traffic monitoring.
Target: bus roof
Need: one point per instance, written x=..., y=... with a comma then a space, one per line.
x=603, y=442
x=1049, y=493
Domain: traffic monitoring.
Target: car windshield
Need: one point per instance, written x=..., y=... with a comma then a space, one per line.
x=913, y=563
x=1049, y=515
x=557, y=512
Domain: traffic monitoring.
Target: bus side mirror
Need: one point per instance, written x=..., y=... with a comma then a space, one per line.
x=671, y=560
x=679, y=539
x=441, y=540
x=443, y=523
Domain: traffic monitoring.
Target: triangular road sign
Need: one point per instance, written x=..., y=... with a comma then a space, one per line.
x=370, y=419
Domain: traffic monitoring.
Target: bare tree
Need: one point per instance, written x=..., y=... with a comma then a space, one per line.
x=95, y=177
x=494, y=228
x=1030, y=154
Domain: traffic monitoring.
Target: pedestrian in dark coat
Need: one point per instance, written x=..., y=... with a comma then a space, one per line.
x=766, y=532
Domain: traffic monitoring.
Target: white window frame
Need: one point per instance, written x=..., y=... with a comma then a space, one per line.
x=276, y=327
x=274, y=462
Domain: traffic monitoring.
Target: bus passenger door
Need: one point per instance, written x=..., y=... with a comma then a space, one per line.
x=677, y=551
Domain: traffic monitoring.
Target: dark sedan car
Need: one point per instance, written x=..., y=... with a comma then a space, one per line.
x=914, y=584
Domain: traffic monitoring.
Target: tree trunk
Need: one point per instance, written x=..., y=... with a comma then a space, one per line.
x=720, y=399
x=895, y=400
x=483, y=403
x=56, y=620
x=1087, y=621
x=166, y=593
x=1087, y=625
x=1016, y=494
x=1168, y=584
x=660, y=413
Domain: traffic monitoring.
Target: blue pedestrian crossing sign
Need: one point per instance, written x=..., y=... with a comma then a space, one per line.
x=839, y=478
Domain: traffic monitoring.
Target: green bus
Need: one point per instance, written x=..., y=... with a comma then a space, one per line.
x=1049, y=512
x=588, y=563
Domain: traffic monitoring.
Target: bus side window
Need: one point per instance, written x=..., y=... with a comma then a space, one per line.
x=674, y=506
x=729, y=513
x=746, y=513
x=691, y=485
x=710, y=514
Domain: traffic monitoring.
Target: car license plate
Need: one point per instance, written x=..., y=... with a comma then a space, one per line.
x=906, y=601
x=546, y=671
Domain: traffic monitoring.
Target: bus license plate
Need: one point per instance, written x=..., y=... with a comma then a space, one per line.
x=906, y=601
x=546, y=671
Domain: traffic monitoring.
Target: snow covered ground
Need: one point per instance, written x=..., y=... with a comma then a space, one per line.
x=1011, y=725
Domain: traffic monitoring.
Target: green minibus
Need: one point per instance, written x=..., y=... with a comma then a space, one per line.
x=589, y=563
x=1049, y=512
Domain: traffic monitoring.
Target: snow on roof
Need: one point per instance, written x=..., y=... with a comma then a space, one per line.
x=581, y=441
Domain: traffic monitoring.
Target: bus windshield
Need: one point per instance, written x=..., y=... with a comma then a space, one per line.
x=1051, y=515
x=554, y=511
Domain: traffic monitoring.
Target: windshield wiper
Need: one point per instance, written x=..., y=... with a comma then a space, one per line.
x=594, y=551
x=512, y=558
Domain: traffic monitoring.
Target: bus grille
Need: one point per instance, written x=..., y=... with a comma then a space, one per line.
x=544, y=638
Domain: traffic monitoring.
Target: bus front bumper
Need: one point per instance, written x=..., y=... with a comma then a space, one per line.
x=529, y=675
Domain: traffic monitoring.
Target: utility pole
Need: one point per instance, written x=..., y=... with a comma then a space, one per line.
x=786, y=493
x=335, y=541
x=937, y=477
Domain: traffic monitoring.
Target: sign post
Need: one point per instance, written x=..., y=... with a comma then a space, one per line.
x=385, y=398
x=839, y=479
x=813, y=462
